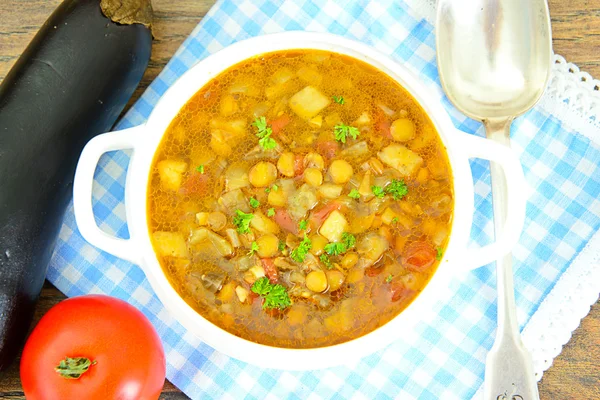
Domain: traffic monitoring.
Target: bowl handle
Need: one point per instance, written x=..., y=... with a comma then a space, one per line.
x=82, y=191
x=516, y=200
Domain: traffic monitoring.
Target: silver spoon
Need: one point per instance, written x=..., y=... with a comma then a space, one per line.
x=494, y=59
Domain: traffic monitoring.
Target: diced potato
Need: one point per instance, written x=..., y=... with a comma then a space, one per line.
x=285, y=164
x=218, y=143
x=201, y=156
x=170, y=244
x=228, y=106
x=362, y=223
x=244, y=85
x=318, y=244
x=310, y=75
x=424, y=138
x=236, y=176
x=277, y=198
x=402, y=130
x=262, y=174
x=334, y=226
x=371, y=247
x=235, y=128
x=227, y=292
x=401, y=158
x=301, y=201
x=267, y=245
x=308, y=102
x=340, y=171
x=313, y=177
x=363, y=119
x=423, y=175
x=254, y=273
x=220, y=244
x=316, y=122
x=202, y=218
x=330, y=191
x=365, y=185
x=171, y=173
x=282, y=75
x=264, y=224
x=388, y=216
x=242, y=293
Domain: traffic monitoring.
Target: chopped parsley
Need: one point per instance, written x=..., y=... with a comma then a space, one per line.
x=325, y=260
x=253, y=248
x=378, y=191
x=303, y=225
x=299, y=253
x=200, y=169
x=338, y=99
x=395, y=220
x=343, y=131
x=275, y=187
x=337, y=248
x=254, y=203
x=354, y=194
x=397, y=188
x=242, y=221
x=270, y=212
x=274, y=295
x=264, y=134
x=281, y=245
x=438, y=254
x=389, y=278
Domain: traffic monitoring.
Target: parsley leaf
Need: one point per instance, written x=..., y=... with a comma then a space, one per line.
x=299, y=253
x=338, y=99
x=274, y=295
x=342, y=132
x=389, y=278
x=270, y=212
x=395, y=220
x=303, y=225
x=397, y=188
x=337, y=248
x=281, y=245
x=200, y=169
x=275, y=187
x=268, y=190
x=438, y=254
x=377, y=191
x=242, y=221
x=354, y=194
x=325, y=260
x=264, y=134
x=254, y=203
x=253, y=248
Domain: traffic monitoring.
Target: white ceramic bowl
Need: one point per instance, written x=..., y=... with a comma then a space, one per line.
x=144, y=140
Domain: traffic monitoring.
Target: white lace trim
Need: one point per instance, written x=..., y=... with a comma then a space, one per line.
x=573, y=96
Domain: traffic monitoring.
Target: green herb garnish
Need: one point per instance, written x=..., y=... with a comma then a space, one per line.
x=377, y=191
x=389, y=278
x=303, y=225
x=242, y=221
x=264, y=134
x=274, y=295
x=337, y=248
x=254, y=203
x=253, y=248
x=299, y=253
x=397, y=189
x=275, y=187
x=342, y=132
x=325, y=260
x=270, y=212
x=200, y=169
x=438, y=254
x=354, y=194
x=338, y=99
x=395, y=220
x=281, y=245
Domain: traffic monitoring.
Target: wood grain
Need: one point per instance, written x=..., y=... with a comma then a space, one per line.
x=575, y=373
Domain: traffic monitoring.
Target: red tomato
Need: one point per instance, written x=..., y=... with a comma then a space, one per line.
x=279, y=123
x=283, y=219
x=196, y=184
x=418, y=256
x=126, y=355
x=298, y=165
x=270, y=269
x=328, y=149
x=399, y=291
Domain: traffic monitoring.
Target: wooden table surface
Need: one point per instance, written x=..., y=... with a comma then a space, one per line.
x=576, y=32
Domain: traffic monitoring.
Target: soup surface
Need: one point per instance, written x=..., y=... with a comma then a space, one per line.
x=300, y=199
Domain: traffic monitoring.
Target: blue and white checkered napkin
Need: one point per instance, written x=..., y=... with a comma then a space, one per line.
x=444, y=356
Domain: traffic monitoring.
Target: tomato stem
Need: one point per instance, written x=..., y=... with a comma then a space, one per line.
x=74, y=367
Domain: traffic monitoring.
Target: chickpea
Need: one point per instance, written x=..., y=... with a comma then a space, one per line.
x=262, y=174
x=340, y=171
x=313, y=177
x=355, y=275
x=276, y=198
x=314, y=160
x=285, y=164
x=402, y=130
x=335, y=279
x=316, y=281
x=318, y=244
x=267, y=245
x=217, y=220
x=349, y=260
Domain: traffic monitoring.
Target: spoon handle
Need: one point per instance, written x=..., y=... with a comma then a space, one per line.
x=509, y=368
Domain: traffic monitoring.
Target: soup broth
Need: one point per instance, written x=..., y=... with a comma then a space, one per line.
x=300, y=199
